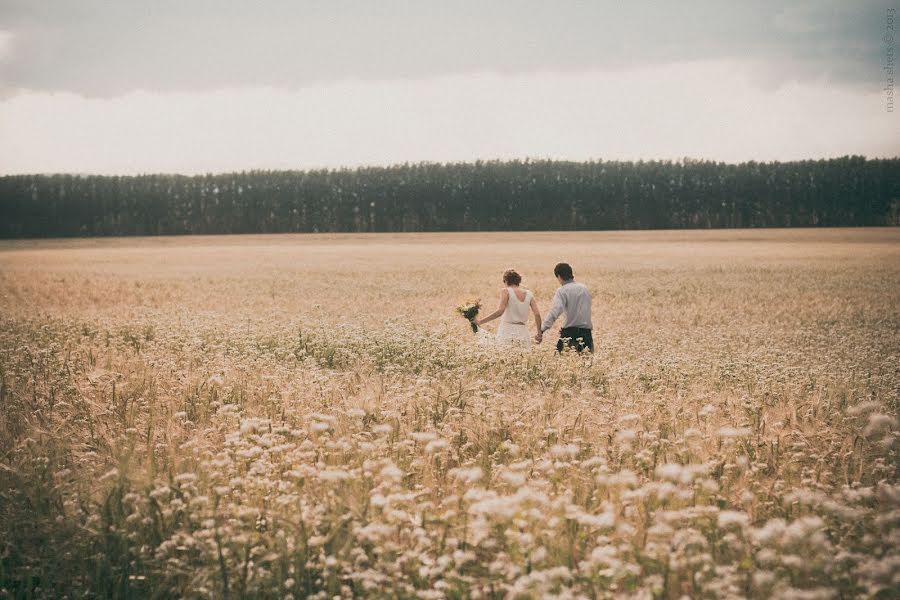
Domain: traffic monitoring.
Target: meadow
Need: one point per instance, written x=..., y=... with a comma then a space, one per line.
x=295, y=416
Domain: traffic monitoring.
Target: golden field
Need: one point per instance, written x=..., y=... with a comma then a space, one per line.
x=306, y=416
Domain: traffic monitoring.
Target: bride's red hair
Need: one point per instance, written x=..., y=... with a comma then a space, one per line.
x=511, y=277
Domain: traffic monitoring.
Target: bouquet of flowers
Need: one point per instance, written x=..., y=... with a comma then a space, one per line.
x=470, y=310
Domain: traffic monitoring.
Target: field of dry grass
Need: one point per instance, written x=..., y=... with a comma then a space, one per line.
x=306, y=416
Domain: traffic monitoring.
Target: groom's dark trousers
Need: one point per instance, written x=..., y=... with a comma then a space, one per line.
x=575, y=337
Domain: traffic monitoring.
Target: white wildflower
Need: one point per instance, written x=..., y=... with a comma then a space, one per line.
x=423, y=436
x=436, y=445
x=334, y=475
x=510, y=447
x=564, y=451
x=707, y=410
x=862, y=407
x=513, y=478
x=879, y=423
x=391, y=472
x=727, y=518
x=729, y=432
x=466, y=474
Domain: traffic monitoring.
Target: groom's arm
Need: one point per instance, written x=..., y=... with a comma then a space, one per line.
x=556, y=309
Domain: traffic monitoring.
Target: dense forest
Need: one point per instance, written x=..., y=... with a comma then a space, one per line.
x=480, y=196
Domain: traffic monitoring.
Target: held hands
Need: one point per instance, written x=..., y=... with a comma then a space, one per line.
x=539, y=337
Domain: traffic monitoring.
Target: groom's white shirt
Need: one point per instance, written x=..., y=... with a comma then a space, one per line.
x=573, y=298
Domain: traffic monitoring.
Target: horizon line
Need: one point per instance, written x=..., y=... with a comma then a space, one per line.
x=451, y=163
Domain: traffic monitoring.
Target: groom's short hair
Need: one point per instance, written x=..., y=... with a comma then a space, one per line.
x=564, y=271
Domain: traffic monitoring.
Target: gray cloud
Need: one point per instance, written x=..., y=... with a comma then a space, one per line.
x=103, y=48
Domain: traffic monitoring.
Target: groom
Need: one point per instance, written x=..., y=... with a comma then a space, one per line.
x=575, y=300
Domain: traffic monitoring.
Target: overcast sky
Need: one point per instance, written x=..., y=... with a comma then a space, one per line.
x=192, y=86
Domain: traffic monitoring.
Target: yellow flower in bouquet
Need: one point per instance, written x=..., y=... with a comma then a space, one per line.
x=470, y=310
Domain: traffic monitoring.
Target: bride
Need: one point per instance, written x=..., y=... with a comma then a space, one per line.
x=514, y=305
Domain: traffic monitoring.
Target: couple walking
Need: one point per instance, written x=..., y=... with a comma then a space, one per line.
x=571, y=298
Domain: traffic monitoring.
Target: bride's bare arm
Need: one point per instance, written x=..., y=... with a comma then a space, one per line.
x=504, y=298
x=537, y=313
x=537, y=318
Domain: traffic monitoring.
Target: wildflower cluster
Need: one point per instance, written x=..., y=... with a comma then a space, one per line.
x=159, y=444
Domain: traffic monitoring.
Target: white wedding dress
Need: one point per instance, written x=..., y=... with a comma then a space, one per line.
x=513, y=329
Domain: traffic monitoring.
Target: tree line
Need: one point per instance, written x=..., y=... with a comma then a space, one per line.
x=481, y=196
